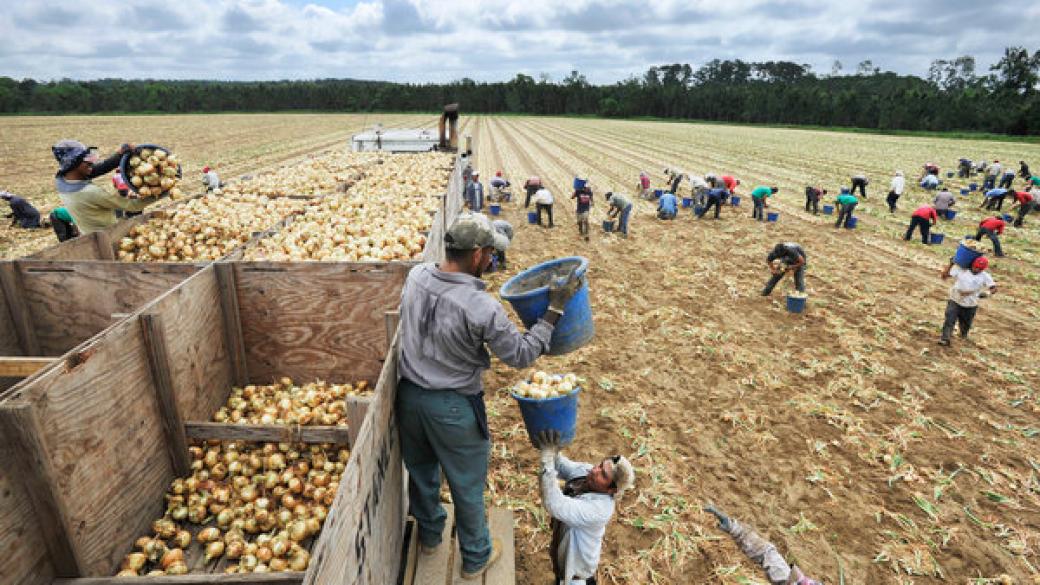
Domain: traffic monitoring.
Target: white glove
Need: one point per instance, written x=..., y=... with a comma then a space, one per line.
x=548, y=458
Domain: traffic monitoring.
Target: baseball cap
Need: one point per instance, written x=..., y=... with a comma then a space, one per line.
x=470, y=232
x=501, y=242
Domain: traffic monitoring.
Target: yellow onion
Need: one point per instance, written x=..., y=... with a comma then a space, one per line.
x=278, y=565
x=234, y=549
x=209, y=534
x=214, y=550
x=177, y=569
x=299, y=560
x=298, y=530
x=134, y=561
x=182, y=539
x=173, y=555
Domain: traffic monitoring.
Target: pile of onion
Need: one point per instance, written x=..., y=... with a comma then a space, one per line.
x=542, y=386
x=316, y=403
x=257, y=505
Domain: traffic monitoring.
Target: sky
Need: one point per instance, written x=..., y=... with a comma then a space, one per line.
x=440, y=40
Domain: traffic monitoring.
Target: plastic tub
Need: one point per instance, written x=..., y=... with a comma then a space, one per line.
x=698, y=209
x=965, y=191
x=950, y=214
x=532, y=217
x=796, y=303
x=579, y=183
x=687, y=201
x=973, y=186
x=124, y=162
x=949, y=174
x=852, y=223
x=1008, y=217
x=734, y=200
x=936, y=239
x=528, y=292
x=658, y=193
x=550, y=414
x=772, y=216
x=964, y=256
x=608, y=225
x=828, y=210
x=496, y=209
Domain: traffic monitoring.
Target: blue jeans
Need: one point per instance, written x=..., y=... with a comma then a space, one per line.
x=992, y=235
x=623, y=220
x=439, y=432
x=759, y=211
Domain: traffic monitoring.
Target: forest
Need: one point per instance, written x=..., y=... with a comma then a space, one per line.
x=953, y=97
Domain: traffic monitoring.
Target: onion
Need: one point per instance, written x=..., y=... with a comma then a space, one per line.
x=134, y=561
x=300, y=560
x=174, y=555
x=208, y=535
x=214, y=550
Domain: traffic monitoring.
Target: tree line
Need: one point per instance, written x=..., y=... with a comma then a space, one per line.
x=954, y=96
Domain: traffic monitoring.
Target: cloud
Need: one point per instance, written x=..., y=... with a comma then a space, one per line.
x=491, y=40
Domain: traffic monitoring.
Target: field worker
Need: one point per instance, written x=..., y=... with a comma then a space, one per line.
x=930, y=169
x=583, y=199
x=543, y=202
x=210, y=179
x=981, y=166
x=503, y=237
x=992, y=227
x=895, y=190
x=498, y=188
x=63, y=225
x=698, y=190
x=1034, y=181
x=23, y=214
x=760, y=551
x=621, y=208
x=667, y=206
x=581, y=510
x=994, y=199
x=786, y=257
x=1007, y=178
x=846, y=203
x=812, y=199
x=714, y=197
x=475, y=194
x=89, y=205
x=930, y=182
x=924, y=217
x=644, y=185
x=992, y=174
x=675, y=180
x=968, y=287
x=859, y=180
x=1023, y=170
x=943, y=201
x=731, y=184
x=713, y=180
x=1025, y=203
x=448, y=324
x=531, y=186
x=964, y=168
x=758, y=198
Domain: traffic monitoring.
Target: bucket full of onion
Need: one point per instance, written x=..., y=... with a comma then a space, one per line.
x=151, y=171
x=549, y=402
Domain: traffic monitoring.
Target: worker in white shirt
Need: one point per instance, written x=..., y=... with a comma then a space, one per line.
x=210, y=179
x=968, y=287
x=543, y=201
x=896, y=190
x=581, y=510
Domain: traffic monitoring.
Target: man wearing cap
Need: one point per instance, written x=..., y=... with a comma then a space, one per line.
x=90, y=206
x=475, y=194
x=210, y=179
x=786, y=257
x=968, y=287
x=943, y=201
x=543, y=203
x=581, y=510
x=448, y=325
x=498, y=188
x=994, y=199
x=1025, y=202
x=895, y=191
x=991, y=227
x=531, y=186
x=503, y=237
x=620, y=208
x=23, y=214
x=924, y=217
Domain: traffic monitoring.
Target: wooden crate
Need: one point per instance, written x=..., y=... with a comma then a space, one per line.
x=101, y=433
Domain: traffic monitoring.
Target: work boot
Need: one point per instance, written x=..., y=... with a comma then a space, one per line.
x=944, y=342
x=496, y=552
x=429, y=550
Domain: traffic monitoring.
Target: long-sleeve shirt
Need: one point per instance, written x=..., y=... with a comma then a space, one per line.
x=926, y=212
x=994, y=224
x=898, y=184
x=24, y=213
x=211, y=180
x=583, y=517
x=764, y=554
x=944, y=200
x=475, y=196
x=994, y=170
x=448, y=323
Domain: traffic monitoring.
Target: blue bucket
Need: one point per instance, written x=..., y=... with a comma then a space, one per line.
x=936, y=239
x=532, y=217
x=687, y=201
x=965, y=256
x=828, y=210
x=795, y=304
x=852, y=223
x=658, y=193
x=973, y=186
x=579, y=183
x=608, y=225
x=528, y=292
x=735, y=201
x=965, y=191
x=496, y=209
x=551, y=414
x=772, y=216
x=950, y=214
x=1008, y=217
x=949, y=174
x=698, y=209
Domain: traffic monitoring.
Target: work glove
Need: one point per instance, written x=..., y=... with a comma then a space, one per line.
x=548, y=442
x=723, y=519
x=562, y=289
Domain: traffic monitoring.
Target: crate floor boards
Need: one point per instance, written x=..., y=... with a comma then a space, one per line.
x=444, y=565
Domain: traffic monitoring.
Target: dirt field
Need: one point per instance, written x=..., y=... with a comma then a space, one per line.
x=864, y=450
x=233, y=144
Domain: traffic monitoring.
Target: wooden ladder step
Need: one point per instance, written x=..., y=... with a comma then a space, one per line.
x=444, y=567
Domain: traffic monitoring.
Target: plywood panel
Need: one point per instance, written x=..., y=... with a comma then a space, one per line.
x=8, y=332
x=71, y=302
x=26, y=559
x=81, y=248
x=100, y=426
x=314, y=320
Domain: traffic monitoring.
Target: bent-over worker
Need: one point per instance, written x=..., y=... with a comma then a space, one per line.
x=581, y=510
x=667, y=206
x=991, y=227
x=503, y=237
x=63, y=225
x=758, y=198
x=762, y=552
x=620, y=208
x=943, y=201
x=23, y=214
x=714, y=198
x=925, y=218
x=846, y=203
x=1025, y=202
x=786, y=257
x=895, y=191
x=210, y=179
x=91, y=207
x=969, y=286
x=812, y=198
x=531, y=186
x=448, y=324
x=543, y=202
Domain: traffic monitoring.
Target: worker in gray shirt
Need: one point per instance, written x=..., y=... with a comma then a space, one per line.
x=448, y=323
x=944, y=200
x=474, y=194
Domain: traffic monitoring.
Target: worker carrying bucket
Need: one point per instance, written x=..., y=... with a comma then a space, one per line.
x=969, y=286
